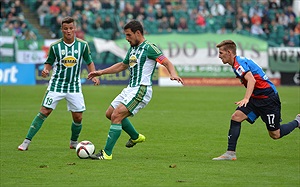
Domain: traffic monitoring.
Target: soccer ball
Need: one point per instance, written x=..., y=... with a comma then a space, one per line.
x=84, y=149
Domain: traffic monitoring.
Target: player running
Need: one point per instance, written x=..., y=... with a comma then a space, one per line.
x=261, y=99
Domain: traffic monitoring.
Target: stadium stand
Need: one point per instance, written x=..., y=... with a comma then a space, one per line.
x=270, y=20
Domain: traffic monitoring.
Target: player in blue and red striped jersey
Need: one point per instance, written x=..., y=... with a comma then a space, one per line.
x=261, y=99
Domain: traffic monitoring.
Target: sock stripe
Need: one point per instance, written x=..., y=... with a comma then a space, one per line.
x=116, y=127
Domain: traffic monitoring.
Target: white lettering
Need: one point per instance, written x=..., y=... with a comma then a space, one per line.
x=8, y=75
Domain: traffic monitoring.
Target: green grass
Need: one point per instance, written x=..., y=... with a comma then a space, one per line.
x=185, y=127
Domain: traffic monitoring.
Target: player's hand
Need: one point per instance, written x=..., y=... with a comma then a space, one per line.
x=176, y=78
x=93, y=74
x=242, y=102
x=96, y=81
x=45, y=73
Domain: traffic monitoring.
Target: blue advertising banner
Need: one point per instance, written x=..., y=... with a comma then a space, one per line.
x=17, y=74
x=121, y=78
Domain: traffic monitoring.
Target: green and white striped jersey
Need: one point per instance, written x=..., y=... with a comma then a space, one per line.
x=142, y=61
x=66, y=61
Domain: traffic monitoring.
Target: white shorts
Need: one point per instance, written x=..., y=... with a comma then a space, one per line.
x=134, y=98
x=75, y=101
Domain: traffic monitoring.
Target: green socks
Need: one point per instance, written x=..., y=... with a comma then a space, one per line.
x=75, y=129
x=35, y=126
x=129, y=129
x=113, y=135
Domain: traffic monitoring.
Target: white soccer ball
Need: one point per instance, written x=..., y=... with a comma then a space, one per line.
x=84, y=149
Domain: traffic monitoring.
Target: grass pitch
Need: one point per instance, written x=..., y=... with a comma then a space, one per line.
x=184, y=127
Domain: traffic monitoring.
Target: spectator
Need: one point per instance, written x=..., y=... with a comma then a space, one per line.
x=172, y=24
x=97, y=24
x=201, y=5
x=159, y=14
x=54, y=8
x=95, y=6
x=62, y=6
x=291, y=23
x=169, y=12
x=88, y=12
x=17, y=29
x=150, y=15
x=183, y=5
x=182, y=26
x=106, y=4
x=70, y=4
x=78, y=6
x=291, y=40
x=266, y=28
x=255, y=18
x=229, y=10
x=217, y=9
x=273, y=4
x=18, y=7
x=42, y=11
x=245, y=21
x=297, y=29
x=256, y=29
x=107, y=24
x=163, y=25
x=79, y=33
x=222, y=30
x=255, y=10
x=283, y=19
x=128, y=11
x=290, y=13
x=229, y=25
x=200, y=20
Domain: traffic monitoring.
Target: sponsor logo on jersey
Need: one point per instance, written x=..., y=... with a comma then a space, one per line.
x=132, y=61
x=69, y=61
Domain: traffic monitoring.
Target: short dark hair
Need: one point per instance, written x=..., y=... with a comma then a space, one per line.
x=227, y=45
x=134, y=25
x=67, y=20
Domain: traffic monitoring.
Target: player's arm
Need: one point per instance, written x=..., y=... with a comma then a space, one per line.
x=46, y=70
x=171, y=69
x=91, y=68
x=116, y=68
x=250, y=87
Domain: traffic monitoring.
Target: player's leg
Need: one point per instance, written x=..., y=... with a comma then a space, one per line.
x=76, y=105
x=49, y=103
x=241, y=114
x=114, y=133
x=76, y=127
x=271, y=115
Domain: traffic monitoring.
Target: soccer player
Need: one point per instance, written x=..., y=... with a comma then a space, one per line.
x=141, y=60
x=65, y=57
x=261, y=99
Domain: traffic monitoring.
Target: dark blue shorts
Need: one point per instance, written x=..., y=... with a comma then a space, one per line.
x=268, y=109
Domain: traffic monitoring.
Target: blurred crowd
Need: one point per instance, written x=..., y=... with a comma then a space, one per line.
x=266, y=19
x=13, y=22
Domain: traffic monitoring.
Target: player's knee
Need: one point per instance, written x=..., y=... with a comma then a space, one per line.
x=274, y=136
x=236, y=117
x=108, y=115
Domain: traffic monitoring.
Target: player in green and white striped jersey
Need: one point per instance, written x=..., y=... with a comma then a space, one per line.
x=141, y=59
x=65, y=58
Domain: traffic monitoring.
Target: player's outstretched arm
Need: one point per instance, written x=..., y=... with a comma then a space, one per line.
x=171, y=69
x=116, y=68
x=91, y=68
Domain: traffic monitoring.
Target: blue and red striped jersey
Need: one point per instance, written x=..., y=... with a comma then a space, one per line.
x=263, y=86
